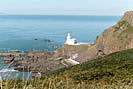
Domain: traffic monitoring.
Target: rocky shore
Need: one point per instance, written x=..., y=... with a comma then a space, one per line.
x=9, y=53
x=43, y=61
x=38, y=61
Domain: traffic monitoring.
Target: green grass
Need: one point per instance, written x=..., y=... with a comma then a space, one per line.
x=114, y=71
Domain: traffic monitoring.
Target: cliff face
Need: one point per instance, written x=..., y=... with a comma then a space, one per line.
x=118, y=37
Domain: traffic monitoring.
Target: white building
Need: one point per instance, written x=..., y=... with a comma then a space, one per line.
x=70, y=41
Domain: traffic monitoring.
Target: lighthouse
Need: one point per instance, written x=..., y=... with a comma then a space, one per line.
x=70, y=41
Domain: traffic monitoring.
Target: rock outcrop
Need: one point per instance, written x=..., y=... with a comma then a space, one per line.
x=118, y=37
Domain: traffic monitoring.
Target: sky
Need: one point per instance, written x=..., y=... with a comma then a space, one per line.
x=66, y=7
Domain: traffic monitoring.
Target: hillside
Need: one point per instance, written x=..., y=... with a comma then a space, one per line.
x=114, y=71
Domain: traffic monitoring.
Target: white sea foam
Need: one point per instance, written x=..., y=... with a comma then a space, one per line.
x=7, y=70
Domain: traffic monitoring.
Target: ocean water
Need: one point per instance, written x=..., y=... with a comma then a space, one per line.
x=20, y=31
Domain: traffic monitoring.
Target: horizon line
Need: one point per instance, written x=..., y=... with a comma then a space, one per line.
x=61, y=14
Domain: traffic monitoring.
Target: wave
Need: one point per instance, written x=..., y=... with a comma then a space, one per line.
x=7, y=70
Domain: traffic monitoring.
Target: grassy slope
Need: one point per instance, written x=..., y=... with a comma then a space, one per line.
x=114, y=71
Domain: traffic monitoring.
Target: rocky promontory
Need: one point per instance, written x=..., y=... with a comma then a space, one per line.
x=116, y=38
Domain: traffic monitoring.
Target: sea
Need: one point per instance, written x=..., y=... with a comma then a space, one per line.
x=28, y=32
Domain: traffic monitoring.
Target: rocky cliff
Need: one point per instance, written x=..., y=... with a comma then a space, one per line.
x=118, y=37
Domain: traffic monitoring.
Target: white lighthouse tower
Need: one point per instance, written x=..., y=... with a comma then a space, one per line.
x=70, y=41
